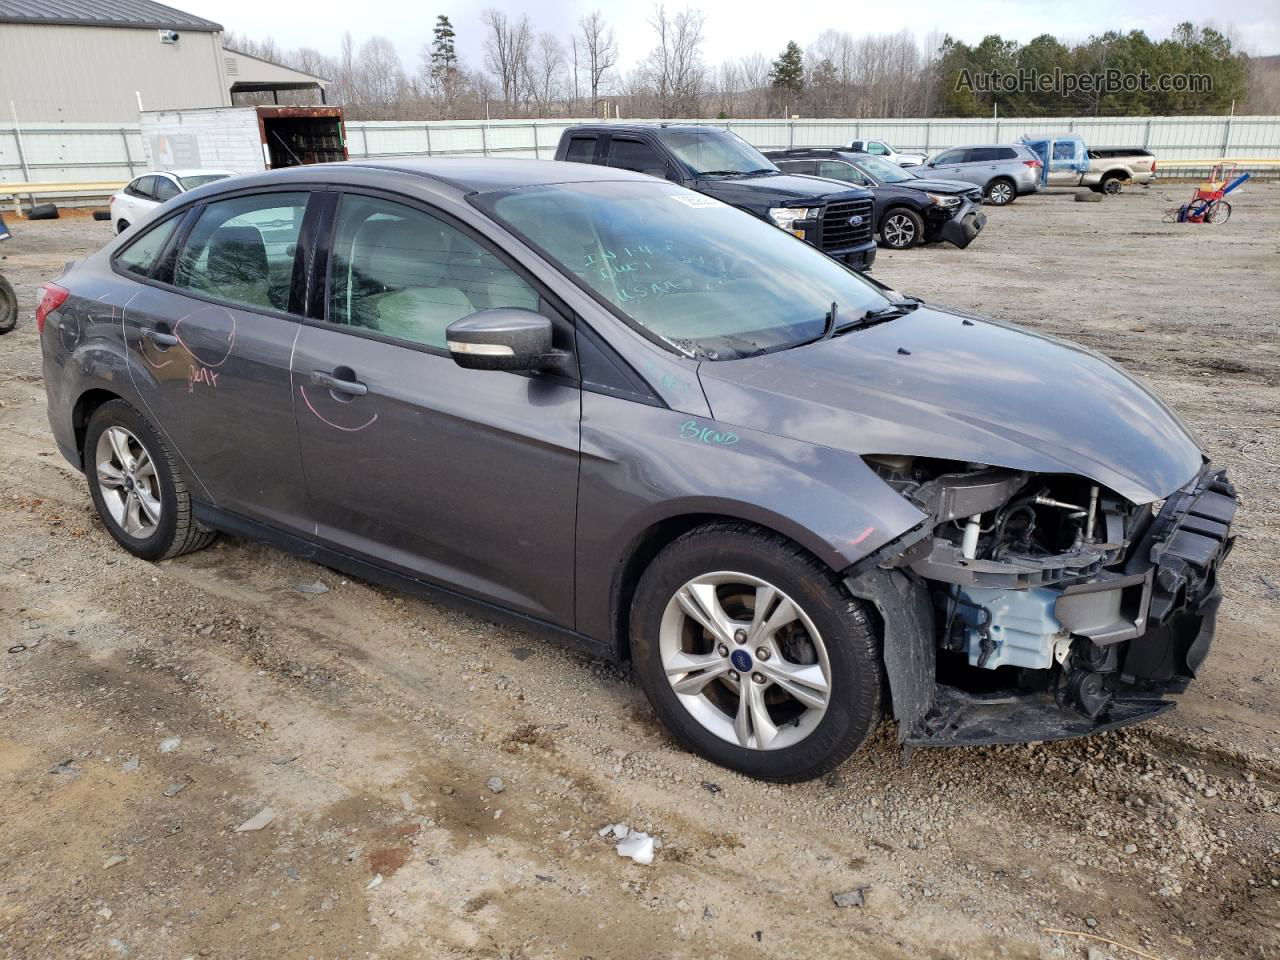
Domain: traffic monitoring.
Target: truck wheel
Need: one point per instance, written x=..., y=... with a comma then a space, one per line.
x=754, y=655
x=1112, y=184
x=1001, y=192
x=136, y=487
x=901, y=228
x=8, y=307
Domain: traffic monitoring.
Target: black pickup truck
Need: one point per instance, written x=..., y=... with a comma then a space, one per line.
x=837, y=220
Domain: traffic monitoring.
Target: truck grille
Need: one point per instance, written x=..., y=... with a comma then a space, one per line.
x=838, y=232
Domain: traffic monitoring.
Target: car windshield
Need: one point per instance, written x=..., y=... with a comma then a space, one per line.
x=708, y=279
x=714, y=152
x=885, y=170
x=200, y=179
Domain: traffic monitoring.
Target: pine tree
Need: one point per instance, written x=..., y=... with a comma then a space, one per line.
x=788, y=70
x=444, y=59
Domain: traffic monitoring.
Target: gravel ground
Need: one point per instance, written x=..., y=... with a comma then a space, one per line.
x=147, y=711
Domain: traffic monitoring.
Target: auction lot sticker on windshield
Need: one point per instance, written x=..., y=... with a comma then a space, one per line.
x=698, y=200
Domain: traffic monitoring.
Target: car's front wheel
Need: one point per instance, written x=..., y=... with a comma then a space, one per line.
x=136, y=487
x=901, y=229
x=754, y=655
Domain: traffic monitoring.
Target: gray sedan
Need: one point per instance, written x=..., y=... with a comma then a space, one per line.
x=657, y=428
x=1004, y=171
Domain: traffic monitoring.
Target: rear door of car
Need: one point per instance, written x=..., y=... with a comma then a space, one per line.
x=464, y=478
x=210, y=328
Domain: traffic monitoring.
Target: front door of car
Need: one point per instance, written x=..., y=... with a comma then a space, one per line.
x=951, y=164
x=210, y=331
x=464, y=478
x=1065, y=163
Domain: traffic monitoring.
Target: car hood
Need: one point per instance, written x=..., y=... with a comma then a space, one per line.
x=940, y=384
x=779, y=190
x=937, y=186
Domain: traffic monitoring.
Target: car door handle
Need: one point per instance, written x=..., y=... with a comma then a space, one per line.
x=330, y=382
x=159, y=337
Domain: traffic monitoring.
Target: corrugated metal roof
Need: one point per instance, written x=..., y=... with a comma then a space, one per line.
x=103, y=13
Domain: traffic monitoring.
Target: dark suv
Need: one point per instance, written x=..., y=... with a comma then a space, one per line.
x=723, y=165
x=909, y=208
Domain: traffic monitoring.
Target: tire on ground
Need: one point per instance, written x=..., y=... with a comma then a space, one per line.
x=176, y=532
x=42, y=211
x=1088, y=196
x=851, y=640
x=8, y=307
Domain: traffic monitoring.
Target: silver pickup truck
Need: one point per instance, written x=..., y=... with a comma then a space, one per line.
x=1068, y=162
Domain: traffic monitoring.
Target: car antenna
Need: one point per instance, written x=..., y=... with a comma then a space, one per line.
x=831, y=322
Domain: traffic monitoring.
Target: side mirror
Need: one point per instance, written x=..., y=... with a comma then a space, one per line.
x=504, y=338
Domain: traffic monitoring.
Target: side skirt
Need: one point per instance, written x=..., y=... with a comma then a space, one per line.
x=217, y=519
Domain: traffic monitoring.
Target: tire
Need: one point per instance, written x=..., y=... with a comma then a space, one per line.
x=1111, y=184
x=830, y=641
x=1088, y=196
x=42, y=211
x=8, y=307
x=122, y=226
x=102, y=214
x=1219, y=212
x=901, y=229
x=174, y=531
x=1000, y=192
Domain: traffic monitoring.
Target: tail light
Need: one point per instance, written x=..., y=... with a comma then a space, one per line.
x=1153, y=164
x=52, y=297
x=1032, y=163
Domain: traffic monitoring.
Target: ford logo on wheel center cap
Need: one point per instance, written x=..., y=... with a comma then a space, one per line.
x=855, y=221
x=741, y=660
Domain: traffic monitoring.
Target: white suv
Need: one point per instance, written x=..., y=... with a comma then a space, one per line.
x=145, y=193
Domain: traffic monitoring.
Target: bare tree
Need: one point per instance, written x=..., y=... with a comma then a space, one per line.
x=506, y=52
x=600, y=48
x=674, y=67
x=546, y=73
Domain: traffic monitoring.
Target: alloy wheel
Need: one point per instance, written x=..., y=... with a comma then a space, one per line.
x=128, y=481
x=745, y=660
x=1001, y=194
x=899, y=231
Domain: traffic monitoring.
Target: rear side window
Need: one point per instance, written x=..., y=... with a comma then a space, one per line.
x=581, y=150
x=636, y=155
x=142, y=187
x=242, y=251
x=165, y=189
x=140, y=256
x=839, y=170
x=404, y=273
x=992, y=154
x=797, y=166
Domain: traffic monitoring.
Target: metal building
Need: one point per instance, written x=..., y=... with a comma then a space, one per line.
x=101, y=61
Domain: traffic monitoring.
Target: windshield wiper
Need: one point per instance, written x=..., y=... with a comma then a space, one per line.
x=896, y=308
x=733, y=173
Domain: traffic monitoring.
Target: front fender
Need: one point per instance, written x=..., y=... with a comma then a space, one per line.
x=644, y=465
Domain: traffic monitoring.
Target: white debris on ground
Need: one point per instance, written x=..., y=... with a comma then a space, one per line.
x=170, y=744
x=258, y=821
x=637, y=845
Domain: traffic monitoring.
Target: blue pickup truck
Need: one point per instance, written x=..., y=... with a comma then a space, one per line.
x=1068, y=162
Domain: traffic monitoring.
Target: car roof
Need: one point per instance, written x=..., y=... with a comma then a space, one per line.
x=482, y=174
x=199, y=172
x=644, y=127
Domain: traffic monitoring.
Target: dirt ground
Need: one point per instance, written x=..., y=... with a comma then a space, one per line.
x=369, y=723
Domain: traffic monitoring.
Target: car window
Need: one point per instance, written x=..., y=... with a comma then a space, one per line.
x=856, y=146
x=709, y=280
x=143, y=187
x=140, y=256
x=951, y=156
x=877, y=149
x=581, y=150
x=165, y=189
x=200, y=179
x=636, y=155
x=242, y=250
x=399, y=271
x=990, y=154
x=797, y=166
x=839, y=170
x=1064, y=150
x=1006, y=153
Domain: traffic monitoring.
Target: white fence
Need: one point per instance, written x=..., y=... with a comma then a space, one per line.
x=91, y=152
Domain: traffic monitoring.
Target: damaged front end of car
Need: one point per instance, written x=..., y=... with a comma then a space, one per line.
x=1036, y=607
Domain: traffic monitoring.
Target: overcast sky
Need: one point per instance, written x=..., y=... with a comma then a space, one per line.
x=733, y=27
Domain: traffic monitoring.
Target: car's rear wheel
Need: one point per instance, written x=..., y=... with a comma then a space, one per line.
x=1001, y=192
x=136, y=487
x=901, y=228
x=754, y=655
x=8, y=307
x=1112, y=184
